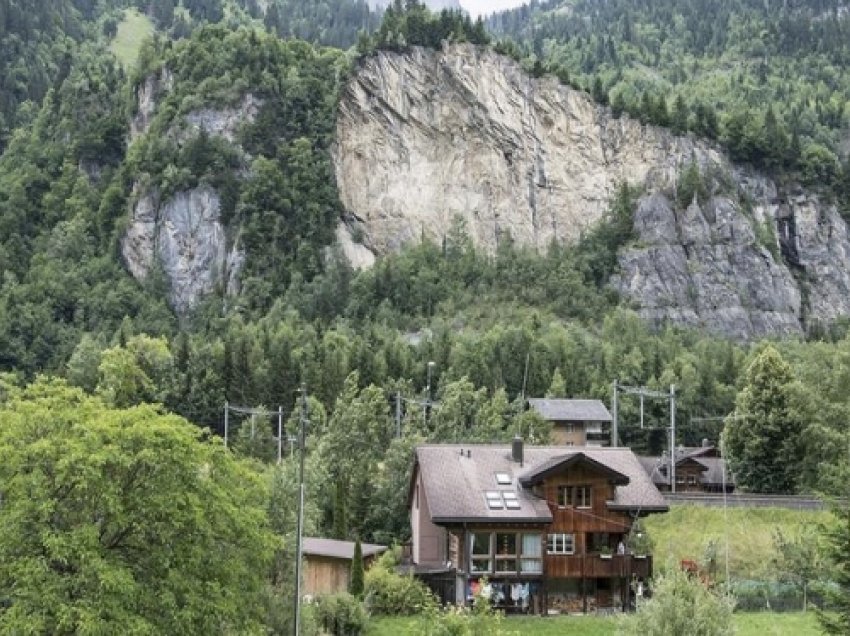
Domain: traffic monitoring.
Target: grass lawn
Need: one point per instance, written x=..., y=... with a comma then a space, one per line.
x=685, y=532
x=132, y=31
x=750, y=624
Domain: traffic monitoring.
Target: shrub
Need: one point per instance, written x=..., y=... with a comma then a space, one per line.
x=341, y=615
x=681, y=606
x=396, y=595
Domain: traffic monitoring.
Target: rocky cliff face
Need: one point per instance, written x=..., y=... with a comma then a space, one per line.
x=182, y=235
x=428, y=136
x=425, y=137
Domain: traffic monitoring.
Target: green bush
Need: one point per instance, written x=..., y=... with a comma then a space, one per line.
x=341, y=615
x=395, y=595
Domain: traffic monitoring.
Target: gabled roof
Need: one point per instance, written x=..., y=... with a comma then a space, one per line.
x=456, y=483
x=558, y=410
x=339, y=549
x=712, y=472
x=538, y=474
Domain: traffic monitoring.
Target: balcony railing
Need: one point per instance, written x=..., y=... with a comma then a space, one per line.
x=597, y=566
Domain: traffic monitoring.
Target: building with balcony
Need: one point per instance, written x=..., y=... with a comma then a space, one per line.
x=548, y=528
x=575, y=422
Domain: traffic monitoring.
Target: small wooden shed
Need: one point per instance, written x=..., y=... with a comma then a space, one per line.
x=327, y=564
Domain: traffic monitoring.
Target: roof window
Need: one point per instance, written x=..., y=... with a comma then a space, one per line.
x=503, y=479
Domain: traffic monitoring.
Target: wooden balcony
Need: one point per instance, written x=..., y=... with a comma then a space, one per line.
x=596, y=566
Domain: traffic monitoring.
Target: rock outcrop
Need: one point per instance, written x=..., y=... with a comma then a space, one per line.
x=428, y=136
x=185, y=238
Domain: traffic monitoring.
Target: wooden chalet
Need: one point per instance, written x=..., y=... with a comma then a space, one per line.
x=549, y=528
x=575, y=422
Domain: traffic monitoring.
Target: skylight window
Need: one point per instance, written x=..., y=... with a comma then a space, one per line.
x=494, y=500
x=503, y=479
x=499, y=500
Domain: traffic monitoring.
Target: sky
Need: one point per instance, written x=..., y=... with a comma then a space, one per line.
x=484, y=7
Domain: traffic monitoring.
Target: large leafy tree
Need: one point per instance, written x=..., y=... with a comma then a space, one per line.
x=124, y=520
x=762, y=439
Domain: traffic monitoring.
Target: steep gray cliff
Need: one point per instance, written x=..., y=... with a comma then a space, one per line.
x=183, y=236
x=428, y=136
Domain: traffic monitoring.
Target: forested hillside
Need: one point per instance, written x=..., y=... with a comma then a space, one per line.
x=438, y=342
x=768, y=79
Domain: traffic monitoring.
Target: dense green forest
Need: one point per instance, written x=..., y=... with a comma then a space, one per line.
x=456, y=337
x=768, y=79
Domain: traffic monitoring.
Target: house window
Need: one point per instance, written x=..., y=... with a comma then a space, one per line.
x=582, y=497
x=561, y=544
x=578, y=496
x=480, y=552
x=692, y=480
x=680, y=479
x=531, y=561
x=416, y=498
x=506, y=552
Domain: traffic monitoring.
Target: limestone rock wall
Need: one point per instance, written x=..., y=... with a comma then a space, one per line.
x=184, y=236
x=428, y=136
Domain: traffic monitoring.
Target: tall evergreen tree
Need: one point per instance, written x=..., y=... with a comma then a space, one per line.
x=357, y=574
x=761, y=439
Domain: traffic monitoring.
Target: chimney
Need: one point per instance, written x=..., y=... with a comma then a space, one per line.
x=517, y=450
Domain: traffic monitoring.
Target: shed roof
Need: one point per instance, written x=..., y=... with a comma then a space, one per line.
x=561, y=410
x=339, y=549
x=456, y=484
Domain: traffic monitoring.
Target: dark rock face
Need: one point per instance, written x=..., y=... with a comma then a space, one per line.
x=771, y=271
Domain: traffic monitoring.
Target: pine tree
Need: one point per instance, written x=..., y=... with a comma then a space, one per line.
x=558, y=388
x=357, y=575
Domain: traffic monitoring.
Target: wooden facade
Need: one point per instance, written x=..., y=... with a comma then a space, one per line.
x=325, y=575
x=561, y=546
x=592, y=576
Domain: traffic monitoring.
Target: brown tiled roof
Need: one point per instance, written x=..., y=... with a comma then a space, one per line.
x=339, y=549
x=559, y=410
x=455, y=483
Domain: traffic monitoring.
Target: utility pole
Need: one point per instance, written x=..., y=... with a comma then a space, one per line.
x=279, y=434
x=614, y=421
x=427, y=405
x=226, y=421
x=673, y=438
x=300, y=527
x=398, y=413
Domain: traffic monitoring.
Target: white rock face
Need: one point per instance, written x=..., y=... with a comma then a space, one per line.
x=428, y=136
x=222, y=122
x=185, y=237
x=146, y=100
x=425, y=137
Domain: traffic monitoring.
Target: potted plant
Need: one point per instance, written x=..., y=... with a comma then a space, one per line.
x=605, y=552
x=639, y=541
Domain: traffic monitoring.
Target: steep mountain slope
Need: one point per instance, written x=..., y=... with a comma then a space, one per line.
x=427, y=136
x=768, y=79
